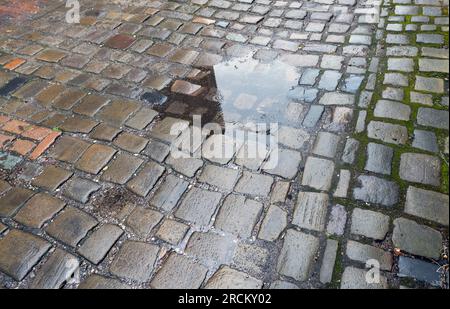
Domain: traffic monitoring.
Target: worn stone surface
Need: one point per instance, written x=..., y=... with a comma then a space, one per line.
x=318, y=173
x=311, y=210
x=427, y=204
x=420, y=168
x=198, y=206
x=39, y=209
x=227, y=278
x=416, y=239
x=369, y=223
x=363, y=253
x=99, y=242
x=376, y=190
x=297, y=254
x=20, y=251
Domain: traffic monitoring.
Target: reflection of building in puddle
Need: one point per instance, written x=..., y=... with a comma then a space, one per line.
x=242, y=90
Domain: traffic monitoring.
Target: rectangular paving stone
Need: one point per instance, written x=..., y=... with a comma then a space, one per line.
x=433, y=65
x=429, y=84
x=363, y=253
x=296, y=263
x=99, y=282
x=117, y=112
x=273, y=224
x=427, y=204
x=13, y=199
x=419, y=270
x=433, y=118
x=169, y=193
x=326, y=144
x=68, y=149
x=284, y=163
x=142, y=221
x=420, y=168
x=227, y=278
x=254, y=184
x=122, y=168
x=80, y=189
x=369, y=224
x=172, y=231
x=95, y=158
x=71, y=226
x=392, y=110
x=187, y=166
x=355, y=278
x=210, y=248
x=56, y=271
x=379, y=158
x=416, y=239
x=142, y=118
x=198, y=206
x=311, y=211
x=328, y=261
x=387, y=132
x=98, y=244
x=135, y=261
x=318, y=173
x=19, y=252
x=146, y=178
x=179, y=272
x=238, y=215
x=223, y=178
x=39, y=209
x=376, y=190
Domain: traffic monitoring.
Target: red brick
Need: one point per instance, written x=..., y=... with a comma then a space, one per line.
x=3, y=119
x=22, y=147
x=37, y=133
x=43, y=146
x=15, y=126
x=13, y=64
x=4, y=139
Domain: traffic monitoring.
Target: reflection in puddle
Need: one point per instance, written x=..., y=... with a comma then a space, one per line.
x=240, y=90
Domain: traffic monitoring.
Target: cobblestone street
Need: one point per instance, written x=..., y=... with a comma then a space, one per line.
x=98, y=189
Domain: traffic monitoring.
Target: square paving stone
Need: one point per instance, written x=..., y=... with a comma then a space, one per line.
x=311, y=211
x=297, y=255
x=416, y=239
x=71, y=226
x=130, y=142
x=369, y=223
x=219, y=148
x=13, y=200
x=211, y=249
x=425, y=140
x=104, y=132
x=172, y=231
x=146, y=179
x=252, y=259
x=142, y=118
x=163, y=129
x=387, y=132
x=326, y=144
x=142, y=221
x=371, y=189
x=379, y=158
x=318, y=173
x=179, y=272
x=68, y=149
x=169, y=193
x=420, y=168
x=427, y=204
x=157, y=151
x=419, y=270
x=187, y=166
x=90, y=105
x=228, y=278
x=39, y=209
x=223, y=178
x=238, y=215
x=254, y=184
x=80, y=189
x=198, y=206
x=95, y=158
x=56, y=271
x=135, y=261
x=98, y=244
x=122, y=169
x=283, y=162
x=19, y=252
x=117, y=112
x=392, y=110
x=51, y=178
x=293, y=138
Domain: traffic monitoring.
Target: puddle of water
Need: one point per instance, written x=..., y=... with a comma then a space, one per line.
x=241, y=90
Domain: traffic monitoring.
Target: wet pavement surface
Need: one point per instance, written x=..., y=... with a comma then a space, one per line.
x=224, y=144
